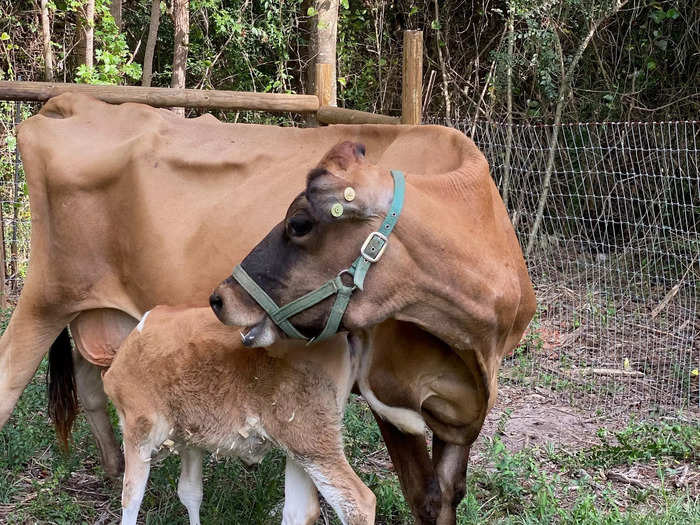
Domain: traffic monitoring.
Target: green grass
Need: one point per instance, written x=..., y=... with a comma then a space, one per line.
x=39, y=484
x=530, y=486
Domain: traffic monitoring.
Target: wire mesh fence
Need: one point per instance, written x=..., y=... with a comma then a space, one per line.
x=615, y=259
x=14, y=203
x=613, y=253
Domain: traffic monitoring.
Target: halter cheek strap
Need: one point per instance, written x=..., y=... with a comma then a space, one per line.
x=371, y=252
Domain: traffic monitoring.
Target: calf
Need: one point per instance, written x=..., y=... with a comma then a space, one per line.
x=184, y=382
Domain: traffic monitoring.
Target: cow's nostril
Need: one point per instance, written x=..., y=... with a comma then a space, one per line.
x=216, y=302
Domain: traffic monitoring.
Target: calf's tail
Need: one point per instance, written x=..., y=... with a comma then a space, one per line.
x=60, y=381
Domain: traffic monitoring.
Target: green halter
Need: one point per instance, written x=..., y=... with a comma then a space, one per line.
x=371, y=251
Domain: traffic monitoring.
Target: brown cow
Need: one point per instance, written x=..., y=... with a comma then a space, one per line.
x=452, y=267
x=132, y=207
x=184, y=382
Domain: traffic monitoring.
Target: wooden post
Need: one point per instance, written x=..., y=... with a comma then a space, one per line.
x=324, y=84
x=412, y=81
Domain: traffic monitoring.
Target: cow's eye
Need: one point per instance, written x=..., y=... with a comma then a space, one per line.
x=299, y=225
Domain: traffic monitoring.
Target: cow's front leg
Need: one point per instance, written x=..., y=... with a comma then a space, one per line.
x=451, y=468
x=23, y=345
x=412, y=464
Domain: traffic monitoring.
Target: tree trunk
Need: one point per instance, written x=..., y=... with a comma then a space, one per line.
x=323, y=31
x=327, y=33
x=115, y=9
x=307, y=27
x=509, y=105
x=151, y=44
x=443, y=69
x=46, y=37
x=86, y=32
x=181, y=19
x=564, y=88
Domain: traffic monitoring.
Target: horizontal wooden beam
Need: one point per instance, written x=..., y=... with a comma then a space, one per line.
x=333, y=115
x=164, y=97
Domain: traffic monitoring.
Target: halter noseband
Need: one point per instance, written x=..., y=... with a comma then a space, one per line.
x=371, y=251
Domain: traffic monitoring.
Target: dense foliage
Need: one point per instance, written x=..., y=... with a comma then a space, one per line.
x=641, y=63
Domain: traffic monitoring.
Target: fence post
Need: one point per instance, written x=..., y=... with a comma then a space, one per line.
x=412, y=80
x=324, y=83
x=323, y=78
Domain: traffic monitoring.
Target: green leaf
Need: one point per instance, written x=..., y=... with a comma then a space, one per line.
x=342, y=81
x=311, y=12
x=345, y=3
x=435, y=25
x=4, y=36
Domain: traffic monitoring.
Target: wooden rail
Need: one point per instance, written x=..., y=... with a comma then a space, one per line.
x=164, y=97
x=334, y=115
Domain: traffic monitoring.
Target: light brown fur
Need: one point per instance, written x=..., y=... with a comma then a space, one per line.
x=132, y=207
x=450, y=297
x=183, y=376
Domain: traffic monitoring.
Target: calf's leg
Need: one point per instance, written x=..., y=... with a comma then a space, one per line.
x=135, y=477
x=189, y=488
x=300, y=496
x=354, y=503
x=88, y=383
x=412, y=464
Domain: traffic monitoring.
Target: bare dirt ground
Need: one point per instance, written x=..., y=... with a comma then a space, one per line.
x=526, y=417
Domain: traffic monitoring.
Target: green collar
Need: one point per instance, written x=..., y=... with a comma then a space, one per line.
x=370, y=252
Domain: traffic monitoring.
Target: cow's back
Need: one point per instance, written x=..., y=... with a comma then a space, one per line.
x=132, y=206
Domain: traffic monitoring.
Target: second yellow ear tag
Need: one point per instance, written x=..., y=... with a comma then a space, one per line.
x=349, y=194
x=337, y=210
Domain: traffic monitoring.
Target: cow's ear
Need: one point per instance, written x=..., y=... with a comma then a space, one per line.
x=343, y=155
x=333, y=196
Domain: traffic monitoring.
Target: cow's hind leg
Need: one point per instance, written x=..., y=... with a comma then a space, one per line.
x=189, y=488
x=88, y=382
x=353, y=502
x=22, y=346
x=451, y=468
x=413, y=466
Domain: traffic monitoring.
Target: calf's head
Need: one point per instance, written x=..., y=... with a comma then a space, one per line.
x=346, y=198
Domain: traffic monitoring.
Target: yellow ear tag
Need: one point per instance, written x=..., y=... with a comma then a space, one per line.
x=349, y=194
x=337, y=210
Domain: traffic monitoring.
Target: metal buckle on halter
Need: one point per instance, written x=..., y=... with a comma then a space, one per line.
x=346, y=271
x=370, y=237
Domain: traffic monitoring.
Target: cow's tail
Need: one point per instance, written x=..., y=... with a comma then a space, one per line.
x=63, y=395
x=405, y=419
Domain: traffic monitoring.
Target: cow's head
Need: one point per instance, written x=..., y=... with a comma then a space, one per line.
x=346, y=198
